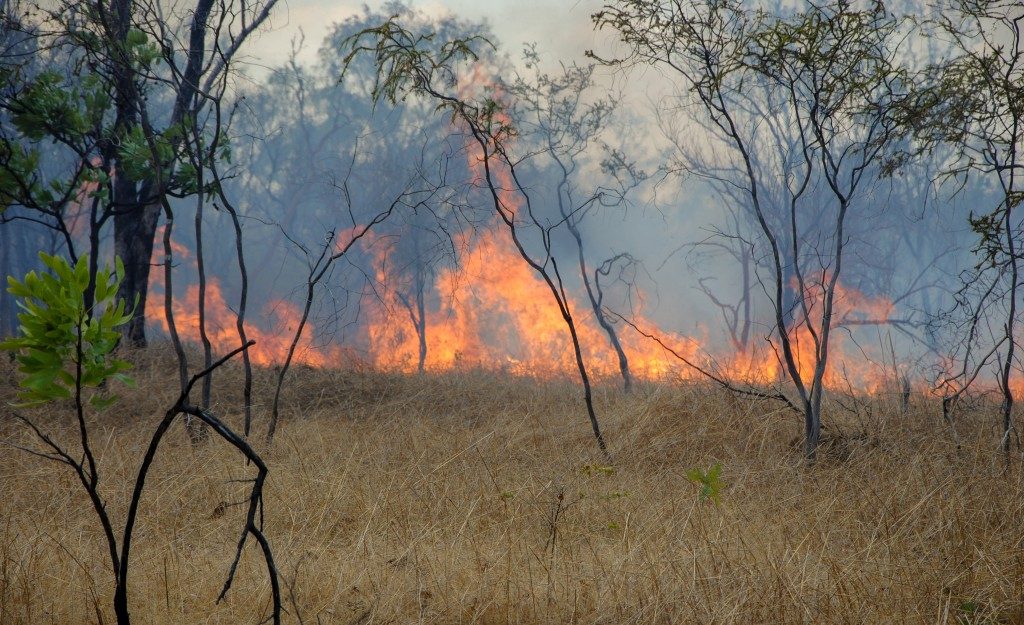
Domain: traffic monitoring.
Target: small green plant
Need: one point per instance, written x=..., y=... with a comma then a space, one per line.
x=975, y=613
x=62, y=347
x=597, y=469
x=708, y=482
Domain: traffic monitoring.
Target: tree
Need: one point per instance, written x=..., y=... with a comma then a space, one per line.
x=125, y=86
x=559, y=115
x=973, y=103
x=834, y=70
x=409, y=64
x=314, y=164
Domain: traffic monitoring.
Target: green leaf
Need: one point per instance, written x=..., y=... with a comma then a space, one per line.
x=56, y=334
x=708, y=482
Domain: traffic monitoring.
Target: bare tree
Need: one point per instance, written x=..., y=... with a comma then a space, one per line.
x=335, y=248
x=559, y=114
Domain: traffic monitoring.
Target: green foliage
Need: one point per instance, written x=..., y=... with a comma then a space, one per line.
x=49, y=108
x=709, y=482
x=18, y=160
x=410, y=63
x=407, y=63
x=976, y=613
x=140, y=49
x=62, y=348
x=137, y=156
x=597, y=469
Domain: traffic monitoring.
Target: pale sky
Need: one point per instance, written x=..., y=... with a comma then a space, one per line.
x=561, y=28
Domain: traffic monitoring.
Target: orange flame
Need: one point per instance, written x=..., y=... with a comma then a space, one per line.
x=272, y=342
x=495, y=312
x=499, y=314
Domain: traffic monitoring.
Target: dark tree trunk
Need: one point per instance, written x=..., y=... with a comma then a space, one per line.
x=421, y=319
x=134, y=232
x=137, y=207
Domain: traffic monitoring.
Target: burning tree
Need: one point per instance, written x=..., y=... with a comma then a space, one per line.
x=833, y=69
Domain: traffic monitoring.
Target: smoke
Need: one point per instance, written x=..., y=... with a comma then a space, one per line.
x=313, y=159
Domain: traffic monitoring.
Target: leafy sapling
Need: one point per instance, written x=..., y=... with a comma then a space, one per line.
x=63, y=347
x=64, y=350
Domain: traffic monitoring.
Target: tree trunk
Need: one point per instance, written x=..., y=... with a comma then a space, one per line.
x=137, y=213
x=134, y=233
x=812, y=423
x=421, y=319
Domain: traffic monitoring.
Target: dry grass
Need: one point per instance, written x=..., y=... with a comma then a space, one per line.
x=468, y=499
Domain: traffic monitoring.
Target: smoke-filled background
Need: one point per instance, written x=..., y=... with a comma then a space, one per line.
x=638, y=198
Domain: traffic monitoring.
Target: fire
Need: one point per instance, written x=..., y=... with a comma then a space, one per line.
x=273, y=331
x=495, y=312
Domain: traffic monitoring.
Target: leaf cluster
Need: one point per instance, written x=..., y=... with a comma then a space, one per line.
x=61, y=346
x=406, y=62
x=409, y=63
x=709, y=483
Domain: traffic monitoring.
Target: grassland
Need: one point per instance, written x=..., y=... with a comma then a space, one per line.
x=476, y=498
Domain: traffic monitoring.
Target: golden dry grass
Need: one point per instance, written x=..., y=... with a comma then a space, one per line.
x=474, y=498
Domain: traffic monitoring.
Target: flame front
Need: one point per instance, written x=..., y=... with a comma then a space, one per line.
x=493, y=311
x=497, y=312
x=273, y=331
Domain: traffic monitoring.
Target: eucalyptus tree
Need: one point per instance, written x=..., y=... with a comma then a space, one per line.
x=834, y=70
